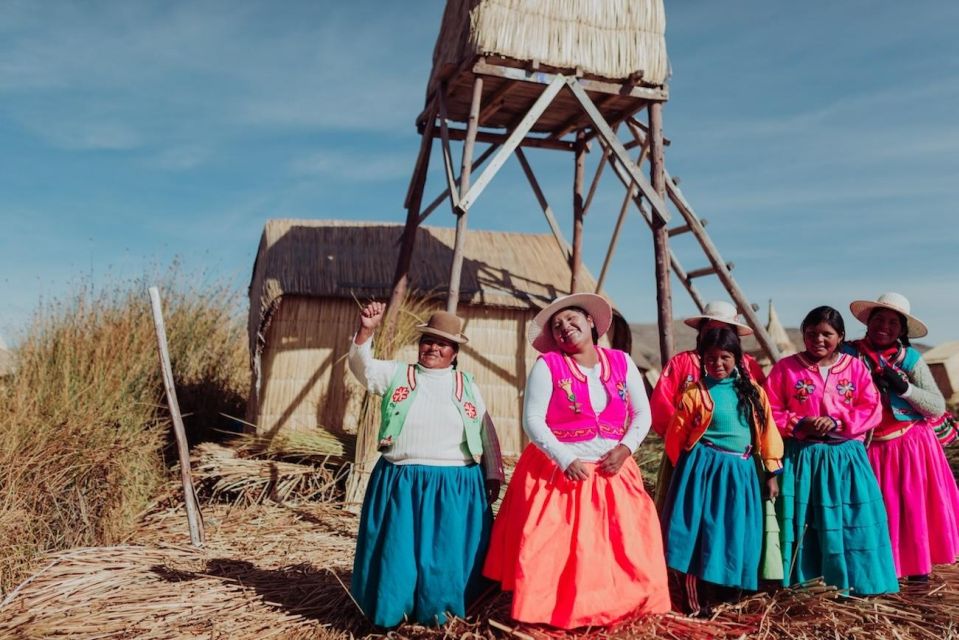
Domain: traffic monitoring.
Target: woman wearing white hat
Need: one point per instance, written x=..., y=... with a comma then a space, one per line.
x=426, y=515
x=577, y=538
x=918, y=487
x=683, y=371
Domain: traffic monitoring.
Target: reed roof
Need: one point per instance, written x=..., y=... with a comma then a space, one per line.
x=614, y=39
x=340, y=259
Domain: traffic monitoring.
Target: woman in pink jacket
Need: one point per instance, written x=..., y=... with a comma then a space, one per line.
x=831, y=511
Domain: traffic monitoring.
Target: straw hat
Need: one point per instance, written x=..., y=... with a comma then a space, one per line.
x=541, y=337
x=721, y=311
x=445, y=325
x=916, y=328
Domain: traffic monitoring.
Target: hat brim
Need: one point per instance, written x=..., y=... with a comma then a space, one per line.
x=460, y=339
x=741, y=329
x=915, y=328
x=595, y=305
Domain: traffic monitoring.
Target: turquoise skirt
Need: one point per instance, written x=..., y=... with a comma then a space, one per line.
x=713, y=518
x=833, y=519
x=422, y=539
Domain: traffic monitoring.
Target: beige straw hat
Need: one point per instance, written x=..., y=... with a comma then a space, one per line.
x=721, y=311
x=445, y=325
x=596, y=306
x=915, y=327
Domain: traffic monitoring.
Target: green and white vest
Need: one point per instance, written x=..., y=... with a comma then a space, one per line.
x=398, y=399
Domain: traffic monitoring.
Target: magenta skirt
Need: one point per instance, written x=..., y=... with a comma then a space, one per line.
x=921, y=498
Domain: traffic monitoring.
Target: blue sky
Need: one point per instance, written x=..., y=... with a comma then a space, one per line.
x=820, y=139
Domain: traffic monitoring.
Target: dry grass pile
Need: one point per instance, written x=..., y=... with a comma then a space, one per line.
x=222, y=474
x=83, y=422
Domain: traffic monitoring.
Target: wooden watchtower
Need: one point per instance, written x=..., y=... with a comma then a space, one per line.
x=561, y=75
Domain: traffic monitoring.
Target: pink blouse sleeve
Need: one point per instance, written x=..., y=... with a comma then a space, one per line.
x=862, y=409
x=777, y=390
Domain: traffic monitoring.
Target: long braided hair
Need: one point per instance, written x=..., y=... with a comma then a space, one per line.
x=726, y=339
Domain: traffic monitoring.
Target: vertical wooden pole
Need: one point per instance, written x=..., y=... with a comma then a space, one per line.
x=657, y=176
x=466, y=168
x=579, y=177
x=194, y=520
x=414, y=199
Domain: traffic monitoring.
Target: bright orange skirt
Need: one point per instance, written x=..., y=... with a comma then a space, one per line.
x=577, y=554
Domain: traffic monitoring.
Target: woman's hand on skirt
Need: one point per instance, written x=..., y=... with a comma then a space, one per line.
x=576, y=471
x=612, y=462
x=772, y=488
x=493, y=486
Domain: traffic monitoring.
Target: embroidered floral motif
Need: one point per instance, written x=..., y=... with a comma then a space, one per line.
x=386, y=443
x=400, y=394
x=566, y=384
x=687, y=383
x=846, y=389
x=470, y=409
x=803, y=388
x=622, y=391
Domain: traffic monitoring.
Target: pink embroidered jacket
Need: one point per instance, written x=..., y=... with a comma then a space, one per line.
x=797, y=390
x=679, y=374
x=570, y=416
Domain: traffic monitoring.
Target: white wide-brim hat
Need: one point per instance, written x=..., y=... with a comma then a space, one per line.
x=720, y=311
x=915, y=328
x=540, y=335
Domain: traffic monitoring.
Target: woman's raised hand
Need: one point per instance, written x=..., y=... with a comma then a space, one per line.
x=372, y=315
x=370, y=318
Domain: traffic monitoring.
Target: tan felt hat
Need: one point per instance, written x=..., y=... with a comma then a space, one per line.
x=445, y=325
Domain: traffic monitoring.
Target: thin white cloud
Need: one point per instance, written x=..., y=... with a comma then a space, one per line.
x=373, y=166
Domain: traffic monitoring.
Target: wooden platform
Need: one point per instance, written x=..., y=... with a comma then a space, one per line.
x=510, y=87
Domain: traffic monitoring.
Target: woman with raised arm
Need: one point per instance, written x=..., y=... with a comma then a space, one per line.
x=426, y=516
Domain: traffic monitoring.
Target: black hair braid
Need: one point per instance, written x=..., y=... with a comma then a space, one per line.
x=749, y=402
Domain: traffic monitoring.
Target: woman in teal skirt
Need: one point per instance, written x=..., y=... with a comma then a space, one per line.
x=831, y=511
x=426, y=517
x=728, y=453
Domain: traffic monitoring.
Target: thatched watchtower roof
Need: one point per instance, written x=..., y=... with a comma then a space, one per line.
x=611, y=39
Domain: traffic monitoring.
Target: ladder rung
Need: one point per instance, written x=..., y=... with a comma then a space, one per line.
x=705, y=271
x=675, y=231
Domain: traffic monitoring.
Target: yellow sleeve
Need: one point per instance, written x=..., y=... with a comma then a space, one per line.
x=680, y=425
x=770, y=442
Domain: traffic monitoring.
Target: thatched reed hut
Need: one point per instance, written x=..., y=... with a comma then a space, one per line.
x=943, y=361
x=311, y=276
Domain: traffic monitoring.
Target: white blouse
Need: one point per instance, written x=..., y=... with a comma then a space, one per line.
x=539, y=389
x=433, y=433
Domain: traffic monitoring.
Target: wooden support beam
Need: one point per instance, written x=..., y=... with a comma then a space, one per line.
x=707, y=271
x=596, y=86
x=193, y=515
x=408, y=239
x=456, y=268
x=648, y=217
x=579, y=177
x=438, y=200
x=564, y=245
x=633, y=123
x=512, y=142
x=496, y=101
x=676, y=231
x=422, y=160
x=608, y=138
x=533, y=142
x=600, y=167
x=730, y=284
x=657, y=170
x=572, y=122
x=447, y=154
x=630, y=196
x=624, y=115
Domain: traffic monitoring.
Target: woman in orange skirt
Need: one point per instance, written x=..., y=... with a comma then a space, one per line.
x=577, y=538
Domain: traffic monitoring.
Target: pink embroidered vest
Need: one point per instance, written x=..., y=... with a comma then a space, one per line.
x=570, y=415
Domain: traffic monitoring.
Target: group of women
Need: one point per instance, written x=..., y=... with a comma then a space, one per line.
x=831, y=467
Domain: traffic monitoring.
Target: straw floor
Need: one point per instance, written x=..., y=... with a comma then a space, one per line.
x=279, y=570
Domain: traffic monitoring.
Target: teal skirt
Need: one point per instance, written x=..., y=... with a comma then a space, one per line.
x=423, y=536
x=713, y=518
x=833, y=520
